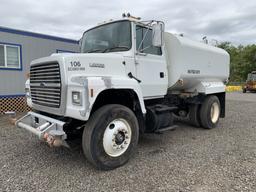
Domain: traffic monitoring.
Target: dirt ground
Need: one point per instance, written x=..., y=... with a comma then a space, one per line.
x=186, y=159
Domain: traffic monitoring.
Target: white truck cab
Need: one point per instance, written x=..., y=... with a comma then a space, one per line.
x=131, y=77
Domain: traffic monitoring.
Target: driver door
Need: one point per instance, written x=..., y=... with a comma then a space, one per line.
x=151, y=66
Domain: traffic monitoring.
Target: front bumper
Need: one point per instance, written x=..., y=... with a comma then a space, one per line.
x=46, y=128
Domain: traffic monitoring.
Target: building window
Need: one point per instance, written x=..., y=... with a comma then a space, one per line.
x=10, y=56
x=146, y=46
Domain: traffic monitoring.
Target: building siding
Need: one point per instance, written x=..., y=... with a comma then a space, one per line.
x=12, y=82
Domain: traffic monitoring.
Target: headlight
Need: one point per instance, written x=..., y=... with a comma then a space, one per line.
x=76, y=98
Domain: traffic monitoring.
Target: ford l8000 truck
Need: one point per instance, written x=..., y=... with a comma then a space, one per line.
x=130, y=78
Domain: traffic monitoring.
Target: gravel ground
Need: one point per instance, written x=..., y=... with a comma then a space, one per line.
x=186, y=159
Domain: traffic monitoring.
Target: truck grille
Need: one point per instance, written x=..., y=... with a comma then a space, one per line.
x=45, y=84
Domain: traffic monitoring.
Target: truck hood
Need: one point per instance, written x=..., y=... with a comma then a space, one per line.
x=91, y=64
x=96, y=64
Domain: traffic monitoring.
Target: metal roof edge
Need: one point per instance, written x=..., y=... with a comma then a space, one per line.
x=37, y=35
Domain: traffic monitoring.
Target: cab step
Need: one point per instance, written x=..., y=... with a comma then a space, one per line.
x=171, y=128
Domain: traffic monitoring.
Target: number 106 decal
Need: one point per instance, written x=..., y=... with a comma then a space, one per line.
x=75, y=66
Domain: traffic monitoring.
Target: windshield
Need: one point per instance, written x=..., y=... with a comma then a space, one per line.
x=108, y=38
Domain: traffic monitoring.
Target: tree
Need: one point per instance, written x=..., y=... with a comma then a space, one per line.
x=242, y=60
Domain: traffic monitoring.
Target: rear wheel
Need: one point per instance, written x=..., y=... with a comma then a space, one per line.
x=110, y=136
x=244, y=90
x=210, y=112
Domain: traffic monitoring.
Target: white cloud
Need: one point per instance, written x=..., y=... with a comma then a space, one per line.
x=225, y=20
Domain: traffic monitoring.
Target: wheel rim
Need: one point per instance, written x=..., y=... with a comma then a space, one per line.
x=215, y=112
x=117, y=137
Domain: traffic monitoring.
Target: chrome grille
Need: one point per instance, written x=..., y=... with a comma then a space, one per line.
x=45, y=84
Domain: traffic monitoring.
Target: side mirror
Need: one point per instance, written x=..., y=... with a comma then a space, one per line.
x=158, y=34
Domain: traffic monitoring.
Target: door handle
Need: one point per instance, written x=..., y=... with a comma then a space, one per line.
x=161, y=74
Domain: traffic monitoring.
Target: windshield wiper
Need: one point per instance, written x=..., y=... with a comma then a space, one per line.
x=117, y=47
x=94, y=51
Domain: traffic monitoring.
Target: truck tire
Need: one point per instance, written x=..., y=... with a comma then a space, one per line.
x=244, y=90
x=193, y=115
x=110, y=136
x=210, y=112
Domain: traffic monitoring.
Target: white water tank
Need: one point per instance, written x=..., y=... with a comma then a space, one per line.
x=192, y=66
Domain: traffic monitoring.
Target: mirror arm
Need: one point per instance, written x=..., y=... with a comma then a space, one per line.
x=145, y=48
x=143, y=39
x=140, y=53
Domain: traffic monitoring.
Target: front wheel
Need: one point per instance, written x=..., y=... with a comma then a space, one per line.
x=244, y=90
x=110, y=136
x=210, y=112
